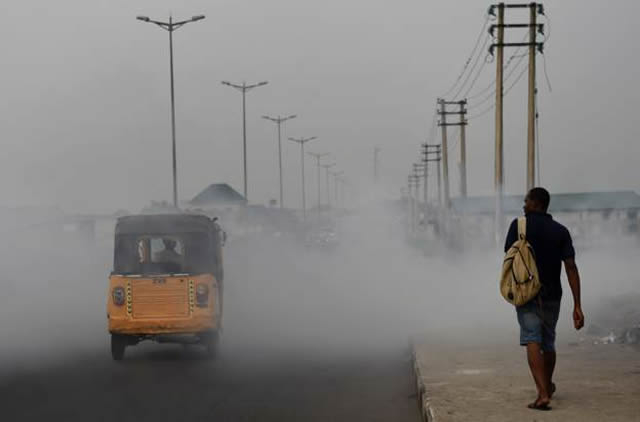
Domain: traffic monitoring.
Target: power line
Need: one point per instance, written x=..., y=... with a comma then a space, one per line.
x=491, y=85
x=434, y=127
x=475, y=63
x=485, y=111
x=468, y=61
x=493, y=93
x=544, y=67
x=473, y=83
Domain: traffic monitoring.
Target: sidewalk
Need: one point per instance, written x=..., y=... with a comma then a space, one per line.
x=492, y=383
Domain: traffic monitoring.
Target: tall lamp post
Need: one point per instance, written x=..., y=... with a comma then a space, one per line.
x=279, y=121
x=170, y=27
x=318, y=157
x=302, y=141
x=336, y=178
x=244, y=88
x=326, y=169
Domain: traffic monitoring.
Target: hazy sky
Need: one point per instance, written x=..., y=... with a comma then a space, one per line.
x=85, y=96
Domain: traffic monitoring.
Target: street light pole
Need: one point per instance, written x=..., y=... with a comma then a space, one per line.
x=303, y=141
x=326, y=168
x=170, y=27
x=279, y=120
x=244, y=88
x=318, y=156
x=336, y=177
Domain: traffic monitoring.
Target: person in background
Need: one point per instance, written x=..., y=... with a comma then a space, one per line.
x=552, y=246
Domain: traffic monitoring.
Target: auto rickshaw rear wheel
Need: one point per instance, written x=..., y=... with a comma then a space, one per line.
x=210, y=341
x=118, y=344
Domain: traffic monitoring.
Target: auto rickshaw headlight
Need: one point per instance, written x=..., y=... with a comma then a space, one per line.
x=118, y=295
x=202, y=295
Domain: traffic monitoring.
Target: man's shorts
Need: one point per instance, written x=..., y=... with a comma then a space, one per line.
x=538, y=323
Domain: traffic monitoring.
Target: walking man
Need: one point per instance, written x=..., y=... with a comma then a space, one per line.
x=552, y=245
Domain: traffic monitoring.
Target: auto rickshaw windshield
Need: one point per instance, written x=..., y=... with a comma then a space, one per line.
x=163, y=254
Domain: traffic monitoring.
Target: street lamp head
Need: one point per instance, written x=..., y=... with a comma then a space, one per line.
x=143, y=18
x=262, y=83
x=197, y=18
x=293, y=116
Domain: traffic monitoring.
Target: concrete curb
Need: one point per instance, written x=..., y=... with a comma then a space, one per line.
x=426, y=411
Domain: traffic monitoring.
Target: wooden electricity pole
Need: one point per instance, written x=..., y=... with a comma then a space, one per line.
x=428, y=150
x=445, y=153
x=499, y=145
x=463, y=149
x=531, y=120
x=437, y=150
x=534, y=27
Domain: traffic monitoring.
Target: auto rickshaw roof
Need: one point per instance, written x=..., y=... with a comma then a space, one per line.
x=164, y=224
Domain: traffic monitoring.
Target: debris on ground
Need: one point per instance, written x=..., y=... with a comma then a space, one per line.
x=617, y=320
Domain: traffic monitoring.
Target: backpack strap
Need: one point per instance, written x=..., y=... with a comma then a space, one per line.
x=522, y=228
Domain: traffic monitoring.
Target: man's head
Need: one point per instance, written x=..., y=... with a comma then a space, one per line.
x=169, y=244
x=537, y=200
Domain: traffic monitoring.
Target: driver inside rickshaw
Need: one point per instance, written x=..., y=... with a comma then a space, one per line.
x=168, y=255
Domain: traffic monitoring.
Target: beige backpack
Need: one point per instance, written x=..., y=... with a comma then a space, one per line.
x=520, y=281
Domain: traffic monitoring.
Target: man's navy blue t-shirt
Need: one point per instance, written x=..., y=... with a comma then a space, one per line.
x=551, y=243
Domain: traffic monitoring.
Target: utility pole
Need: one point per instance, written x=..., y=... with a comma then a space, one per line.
x=445, y=160
x=531, y=120
x=326, y=169
x=302, y=141
x=428, y=151
x=278, y=121
x=431, y=154
x=534, y=27
x=376, y=152
x=499, y=145
x=445, y=154
x=318, y=157
x=437, y=150
x=463, y=149
x=425, y=168
x=417, y=168
x=244, y=88
x=411, y=203
x=170, y=27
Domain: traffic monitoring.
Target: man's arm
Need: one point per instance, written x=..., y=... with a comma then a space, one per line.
x=512, y=235
x=574, y=282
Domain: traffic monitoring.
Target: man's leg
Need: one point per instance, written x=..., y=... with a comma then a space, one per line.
x=538, y=371
x=531, y=336
x=549, y=366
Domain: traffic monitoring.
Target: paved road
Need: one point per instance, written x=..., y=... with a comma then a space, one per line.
x=300, y=344
x=167, y=383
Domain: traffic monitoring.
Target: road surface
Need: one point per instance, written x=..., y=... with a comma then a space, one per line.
x=300, y=344
x=167, y=383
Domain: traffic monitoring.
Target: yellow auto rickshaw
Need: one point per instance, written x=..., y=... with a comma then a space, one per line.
x=167, y=281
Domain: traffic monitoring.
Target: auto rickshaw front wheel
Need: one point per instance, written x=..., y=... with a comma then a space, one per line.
x=118, y=344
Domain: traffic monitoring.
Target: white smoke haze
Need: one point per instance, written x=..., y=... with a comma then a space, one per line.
x=85, y=118
x=369, y=295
